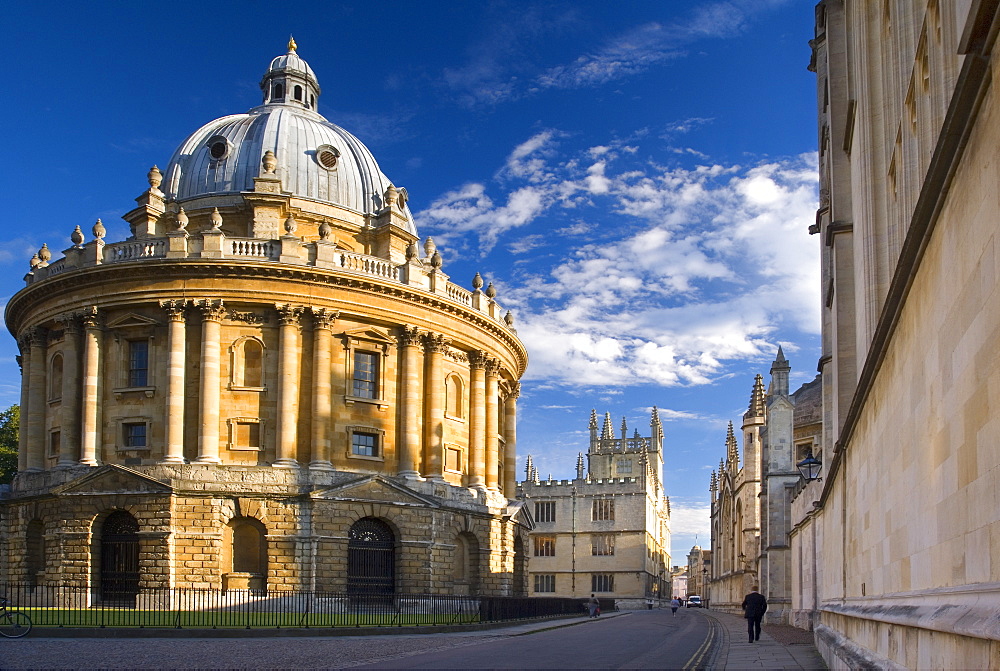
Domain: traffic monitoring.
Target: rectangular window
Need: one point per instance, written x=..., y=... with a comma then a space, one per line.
x=138, y=363
x=364, y=444
x=624, y=465
x=248, y=434
x=545, y=546
x=602, y=582
x=55, y=440
x=133, y=435
x=604, y=510
x=453, y=459
x=365, y=375
x=602, y=545
x=545, y=583
x=545, y=511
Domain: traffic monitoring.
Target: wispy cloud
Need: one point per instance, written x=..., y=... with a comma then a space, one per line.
x=691, y=268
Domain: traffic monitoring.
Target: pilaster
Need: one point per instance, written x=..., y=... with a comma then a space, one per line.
x=434, y=347
x=69, y=430
x=492, y=424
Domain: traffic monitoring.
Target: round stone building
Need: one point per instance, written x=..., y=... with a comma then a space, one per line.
x=271, y=384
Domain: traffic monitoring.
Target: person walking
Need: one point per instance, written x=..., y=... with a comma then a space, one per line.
x=593, y=605
x=674, y=605
x=754, y=607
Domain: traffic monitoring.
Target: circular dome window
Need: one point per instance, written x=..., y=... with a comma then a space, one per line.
x=327, y=156
x=218, y=147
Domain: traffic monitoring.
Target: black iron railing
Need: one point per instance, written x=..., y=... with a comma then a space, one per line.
x=59, y=606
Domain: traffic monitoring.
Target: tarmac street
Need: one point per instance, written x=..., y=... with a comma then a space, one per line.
x=694, y=639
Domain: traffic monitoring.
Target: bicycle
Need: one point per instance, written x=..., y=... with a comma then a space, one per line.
x=13, y=624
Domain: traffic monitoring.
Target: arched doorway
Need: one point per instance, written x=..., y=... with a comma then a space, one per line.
x=371, y=558
x=119, y=562
x=520, y=587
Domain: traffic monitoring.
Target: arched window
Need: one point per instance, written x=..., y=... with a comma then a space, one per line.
x=454, y=392
x=279, y=92
x=371, y=558
x=298, y=93
x=247, y=363
x=34, y=551
x=55, y=377
x=249, y=546
x=119, y=558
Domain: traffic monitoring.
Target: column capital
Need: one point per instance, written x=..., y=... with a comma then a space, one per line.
x=515, y=390
x=288, y=315
x=410, y=337
x=493, y=367
x=36, y=336
x=90, y=317
x=175, y=309
x=323, y=318
x=70, y=322
x=477, y=359
x=434, y=342
x=211, y=310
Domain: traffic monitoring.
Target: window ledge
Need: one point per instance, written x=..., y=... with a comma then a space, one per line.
x=236, y=387
x=380, y=402
x=148, y=391
x=365, y=457
x=243, y=448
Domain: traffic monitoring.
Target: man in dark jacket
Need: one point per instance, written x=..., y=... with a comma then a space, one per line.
x=754, y=607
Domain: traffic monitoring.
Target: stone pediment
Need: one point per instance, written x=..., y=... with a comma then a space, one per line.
x=113, y=479
x=518, y=513
x=373, y=488
x=370, y=334
x=132, y=320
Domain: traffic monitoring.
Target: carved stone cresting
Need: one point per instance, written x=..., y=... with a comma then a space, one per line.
x=211, y=310
x=457, y=355
x=247, y=317
x=515, y=390
x=289, y=315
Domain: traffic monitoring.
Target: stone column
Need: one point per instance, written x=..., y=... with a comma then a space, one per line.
x=492, y=424
x=176, y=347
x=22, y=361
x=209, y=390
x=477, y=419
x=288, y=386
x=69, y=442
x=510, y=447
x=434, y=348
x=36, y=401
x=409, y=445
x=91, y=404
x=321, y=419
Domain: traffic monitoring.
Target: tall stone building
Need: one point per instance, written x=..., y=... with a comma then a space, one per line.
x=896, y=551
x=607, y=531
x=269, y=384
x=751, y=497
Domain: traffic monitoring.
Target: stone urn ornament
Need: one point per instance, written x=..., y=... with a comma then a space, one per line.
x=99, y=231
x=76, y=237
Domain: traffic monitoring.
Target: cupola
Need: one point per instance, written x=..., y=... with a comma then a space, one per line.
x=290, y=81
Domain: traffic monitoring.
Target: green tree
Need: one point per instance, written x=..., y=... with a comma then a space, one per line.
x=10, y=422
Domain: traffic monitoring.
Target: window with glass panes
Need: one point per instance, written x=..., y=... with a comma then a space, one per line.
x=602, y=545
x=365, y=383
x=602, y=582
x=603, y=510
x=545, y=546
x=545, y=511
x=545, y=583
x=364, y=444
x=138, y=363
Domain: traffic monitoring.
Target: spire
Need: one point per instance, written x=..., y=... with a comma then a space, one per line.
x=732, y=452
x=606, y=431
x=529, y=464
x=624, y=428
x=656, y=429
x=779, y=375
x=593, y=418
x=756, y=407
x=579, y=466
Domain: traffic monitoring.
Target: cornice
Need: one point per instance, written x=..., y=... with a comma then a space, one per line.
x=74, y=281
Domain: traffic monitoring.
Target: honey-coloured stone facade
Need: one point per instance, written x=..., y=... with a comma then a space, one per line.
x=261, y=373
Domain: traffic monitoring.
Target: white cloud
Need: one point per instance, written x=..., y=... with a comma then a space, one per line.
x=691, y=519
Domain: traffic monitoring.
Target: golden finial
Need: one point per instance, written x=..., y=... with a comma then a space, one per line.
x=291, y=45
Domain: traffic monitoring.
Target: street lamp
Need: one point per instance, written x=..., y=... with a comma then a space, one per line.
x=810, y=467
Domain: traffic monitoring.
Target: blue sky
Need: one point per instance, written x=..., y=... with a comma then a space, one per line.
x=636, y=178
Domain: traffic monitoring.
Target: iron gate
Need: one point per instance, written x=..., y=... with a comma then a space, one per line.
x=119, y=558
x=371, y=558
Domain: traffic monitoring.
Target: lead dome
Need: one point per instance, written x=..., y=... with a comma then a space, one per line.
x=315, y=159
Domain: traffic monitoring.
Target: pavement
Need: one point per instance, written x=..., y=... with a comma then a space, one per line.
x=779, y=647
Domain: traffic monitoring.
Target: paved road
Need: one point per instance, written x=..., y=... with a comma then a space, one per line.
x=638, y=640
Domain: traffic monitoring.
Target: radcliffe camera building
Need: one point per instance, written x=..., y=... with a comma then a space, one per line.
x=607, y=531
x=271, y=373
